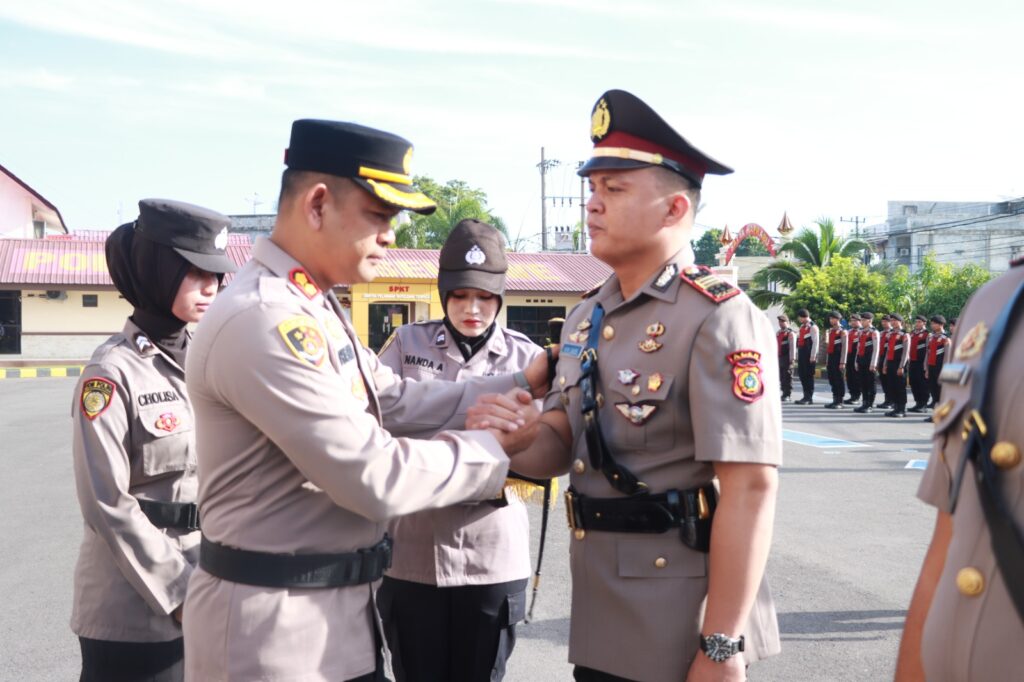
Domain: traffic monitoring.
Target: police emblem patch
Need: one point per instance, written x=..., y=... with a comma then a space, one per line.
x=221, y=240
x=636, y=414
x=96, y=396
x=973, y=342
x=304, y=283
x=746, y=372
x=303, y=338
x=476, y=256
x=168, y=421
x=600, y=120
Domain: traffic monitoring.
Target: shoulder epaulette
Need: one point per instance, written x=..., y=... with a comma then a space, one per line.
x=701, y=278
x=595, y=289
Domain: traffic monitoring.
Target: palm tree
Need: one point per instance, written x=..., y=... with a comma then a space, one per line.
x=810, y=249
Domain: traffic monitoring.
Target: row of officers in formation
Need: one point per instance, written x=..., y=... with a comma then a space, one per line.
x=858, y=356
x=267, y=499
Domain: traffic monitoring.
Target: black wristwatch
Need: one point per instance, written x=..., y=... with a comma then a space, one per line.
x=719, y=647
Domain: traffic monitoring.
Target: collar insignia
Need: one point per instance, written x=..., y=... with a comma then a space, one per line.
x=666, y=277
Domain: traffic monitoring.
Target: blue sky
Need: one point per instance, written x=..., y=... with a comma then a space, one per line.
x=823, y=108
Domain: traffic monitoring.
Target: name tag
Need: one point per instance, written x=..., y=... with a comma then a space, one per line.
x=346, y=355
x=573, y=350
x=955, y=373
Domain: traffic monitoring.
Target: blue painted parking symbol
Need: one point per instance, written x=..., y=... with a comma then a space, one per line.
x=921, y=464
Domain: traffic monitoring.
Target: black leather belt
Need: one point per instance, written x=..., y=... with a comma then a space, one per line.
x=295, y=570
x=182, y=515
x=689, y=510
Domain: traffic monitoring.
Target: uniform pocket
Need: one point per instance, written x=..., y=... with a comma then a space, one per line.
x=662, y=557
x=167, y=439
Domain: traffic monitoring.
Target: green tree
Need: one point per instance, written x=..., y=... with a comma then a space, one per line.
x=456, y=201
x=945, y=288
x=707, y=247
x=810, y=249
x=845, y=285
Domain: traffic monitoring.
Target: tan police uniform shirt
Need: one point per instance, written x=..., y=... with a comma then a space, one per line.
x=466, y=544
x=634, y=615
x=133, y=438
x=293, y=458
x=973, y=631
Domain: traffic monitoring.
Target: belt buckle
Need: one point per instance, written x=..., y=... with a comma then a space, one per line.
x=570, y=509
x=193, y=517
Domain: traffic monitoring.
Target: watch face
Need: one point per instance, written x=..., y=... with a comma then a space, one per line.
x=719, y=648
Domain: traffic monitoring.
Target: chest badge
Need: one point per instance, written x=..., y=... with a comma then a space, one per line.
x=746, y=371
x=168, y=421
x=973, y=342
x=654, y=382
x=627, y=377
x=649, y=345
x=636, y=414
x=655, y=329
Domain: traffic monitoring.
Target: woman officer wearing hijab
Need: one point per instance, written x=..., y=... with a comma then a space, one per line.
x=457, y=584
x=134, y=447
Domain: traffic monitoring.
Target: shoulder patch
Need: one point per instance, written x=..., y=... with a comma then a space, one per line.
x=304, y=283
x=97, y=394
x=302, y=337
x=700, y=278
x=746, y=372
x=595, y=289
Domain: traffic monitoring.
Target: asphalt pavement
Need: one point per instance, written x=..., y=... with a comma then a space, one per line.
x=849, y=538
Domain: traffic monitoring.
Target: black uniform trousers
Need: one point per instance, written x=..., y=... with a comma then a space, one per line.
x=934, y=386
x=835, y=378
x=853, y=377
x=918, y=384
x=107, y=661
x=451, y=634
x=786, y=375
x=805, y=369
x=883, y=379
x=897, y=386
x=867, y=381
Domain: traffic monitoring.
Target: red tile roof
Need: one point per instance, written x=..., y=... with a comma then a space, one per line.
x=78, y=260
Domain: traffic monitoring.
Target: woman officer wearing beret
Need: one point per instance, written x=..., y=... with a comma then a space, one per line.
x=457, y=583
x=134, y=452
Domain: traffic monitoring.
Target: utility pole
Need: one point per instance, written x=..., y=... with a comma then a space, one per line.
x=583, y=211
x=857, y=220
x=544, y=165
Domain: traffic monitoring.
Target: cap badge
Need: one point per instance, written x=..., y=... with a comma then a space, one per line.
x=654, y=382
x=168, y=421
x=96, y=396
x=649, y=345
x=407, y=161
x=746, y=371
x=221, y=240
x=476, y=256
x=973, y=342
x=636, y=414
x=600, y=121
x=303, y=338
x=627, y=376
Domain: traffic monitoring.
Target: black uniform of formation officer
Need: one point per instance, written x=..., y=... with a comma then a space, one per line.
x=867, y=362
x=883, y=345
x=918, y=354
x=852, y=376
x=835, y=359
x=938, y=344
x=134, y=447
x=807, y=339
x=457, y=585
x=664, y=392
x=897, y=353
x=301, y=440
x=785, y=340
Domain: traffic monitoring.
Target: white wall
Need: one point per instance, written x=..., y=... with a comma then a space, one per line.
x=15, y=209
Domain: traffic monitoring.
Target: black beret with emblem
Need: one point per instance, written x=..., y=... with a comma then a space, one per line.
x=896, y=317
x=939, y=319
x=198, y=234
x=922, y=318
x=377, y=161
x=854, y=316
x=473, y=257
x=835, y=315
x=627, y=133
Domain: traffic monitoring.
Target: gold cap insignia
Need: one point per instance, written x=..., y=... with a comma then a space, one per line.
x=600, y=121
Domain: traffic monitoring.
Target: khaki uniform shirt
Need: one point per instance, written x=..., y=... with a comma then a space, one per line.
x=973, y=631
x=293, y=458
x=631, y=616
x=476, y=544
x=133, y=438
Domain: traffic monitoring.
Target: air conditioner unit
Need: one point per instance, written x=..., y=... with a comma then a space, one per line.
x=904, y=252
x=55, y=295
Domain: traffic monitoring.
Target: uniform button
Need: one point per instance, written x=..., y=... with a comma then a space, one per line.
x=579, y=466
x=608, y=332
x=580, y=533
x=561, y=381
x=970, y=582
x=660, y=562
x=635, y=390
x=1005, y=455
x=600, y=400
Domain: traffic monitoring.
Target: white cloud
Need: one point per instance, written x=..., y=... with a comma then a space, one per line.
x=35, y=79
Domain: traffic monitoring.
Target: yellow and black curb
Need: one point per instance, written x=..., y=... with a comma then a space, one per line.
x=40, y=372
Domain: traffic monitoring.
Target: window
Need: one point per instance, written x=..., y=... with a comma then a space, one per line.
x=38, y=229
x=533, y=320
x=909, y=209
x=90, y=301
